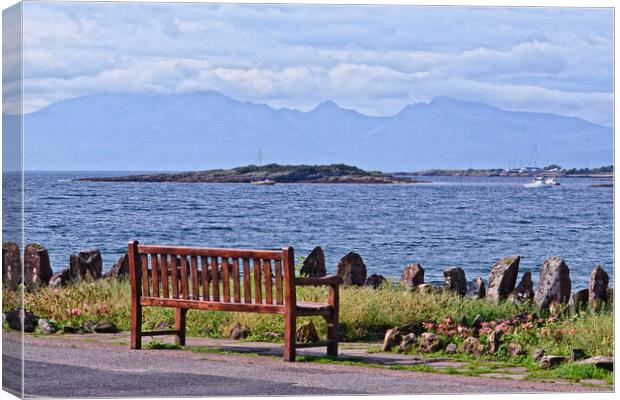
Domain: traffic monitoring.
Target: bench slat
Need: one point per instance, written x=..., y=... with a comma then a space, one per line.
x=258, y=294
x=247, y=293
x=211, y=305
x=155, y=273
x=215, y=279
x=236, y=288
x=174, y=279
x=144, y=261
x=194, y=275
x=184, y=278
x=268, y=287
x=164, y=275
x=226, y=279
x=210, y=252
x=204, y=272
x=278, y=268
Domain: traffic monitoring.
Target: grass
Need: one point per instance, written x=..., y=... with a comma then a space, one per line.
x=159, y=345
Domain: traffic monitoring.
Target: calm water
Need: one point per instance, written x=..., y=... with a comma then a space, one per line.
x=468, y=222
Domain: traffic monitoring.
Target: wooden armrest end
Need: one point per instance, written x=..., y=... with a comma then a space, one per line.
x=331, y=280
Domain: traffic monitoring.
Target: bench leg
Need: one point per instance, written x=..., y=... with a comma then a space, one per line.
x=332, y=334
x=179, y=323
x=136, y=326
x=289, y=337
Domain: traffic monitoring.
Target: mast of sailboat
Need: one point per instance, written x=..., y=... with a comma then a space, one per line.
x=260, y=157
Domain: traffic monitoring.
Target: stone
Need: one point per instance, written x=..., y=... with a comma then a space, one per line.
x=537, y=354
x=579, y=299
x=105, y=327
x=472, y=345
x=503, y=278
x=37, y=267
x=120, y=269
x=597, y=289
x=412, y=275
x=550, y=361
x=450, y=348
x=16, y=318
x=554, y=284
x=515, y=349
x=238, y=332
x=577, y=354
x=494, y=340
x=603, y=362
x=391, y=337
x=60, y=278
x=375, y=281
x=524, y=290
x=86, y=265
x=314, y=264
x=429, y=343
x=352, y=270
x=45, y=327
x=454, y=280
x=407, y=342
x=88, y=326
x=306, y=333
x=11, y=265
x=70, y=329
x=477, y=289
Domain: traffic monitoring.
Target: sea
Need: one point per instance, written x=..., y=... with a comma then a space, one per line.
x=468, y=222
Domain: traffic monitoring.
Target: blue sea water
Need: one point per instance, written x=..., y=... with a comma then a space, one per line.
x=466, y=222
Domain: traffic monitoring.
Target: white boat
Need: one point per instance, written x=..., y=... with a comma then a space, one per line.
x=541, y=182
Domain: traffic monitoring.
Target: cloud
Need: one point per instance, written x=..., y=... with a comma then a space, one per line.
x=375, y=59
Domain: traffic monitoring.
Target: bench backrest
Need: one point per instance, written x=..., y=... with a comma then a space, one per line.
x=215, y=275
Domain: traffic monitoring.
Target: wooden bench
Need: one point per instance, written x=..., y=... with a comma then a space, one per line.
x=217, y=279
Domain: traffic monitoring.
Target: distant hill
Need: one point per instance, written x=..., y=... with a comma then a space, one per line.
x=334, y=173
x=209, y=130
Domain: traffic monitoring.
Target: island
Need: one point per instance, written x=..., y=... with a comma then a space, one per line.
x=604, y=172
x=334, y=173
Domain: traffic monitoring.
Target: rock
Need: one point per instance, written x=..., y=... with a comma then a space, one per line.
x=314, y=264
x=603, y=362
x=494, y=340
x=352, y=269
x=477, y=289
x=11, y=265
x=412, y=276
x=375, y=281
x=60, y=278
x=37, y=268
x=550, y=361
x=524, y=290
x=88, y=326
x=237, y=332
x=599, y=280
x=476, y=324
x=515, y=349
x=391, y=337
x=16, y=318
x=70, y=329
x=407, y=342
x=306, y=333
x=45, y=327
x=472, y=345
x=86, y=265
x=120, y=270
x=450, y=348
x=454, y=280
x=274, y=335
x=579, y=299
x=554, y=283
x=105, y=327
x=537, y=354
x=503, y=278
x=577, y=354
x=429, y=342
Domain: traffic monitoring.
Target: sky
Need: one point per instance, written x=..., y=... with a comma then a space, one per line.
x=374, y=59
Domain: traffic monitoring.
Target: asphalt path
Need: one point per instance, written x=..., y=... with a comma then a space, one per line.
x=62, y=368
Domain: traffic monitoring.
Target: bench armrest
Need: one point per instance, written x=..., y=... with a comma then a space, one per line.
x=331, y=280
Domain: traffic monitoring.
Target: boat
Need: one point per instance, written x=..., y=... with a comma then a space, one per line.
x=541, y=182
x=263, y=181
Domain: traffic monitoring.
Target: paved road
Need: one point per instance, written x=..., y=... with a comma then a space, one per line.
x=71, y=368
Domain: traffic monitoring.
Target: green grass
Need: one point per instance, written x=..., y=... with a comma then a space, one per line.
x=159, y=345
x=573, y=372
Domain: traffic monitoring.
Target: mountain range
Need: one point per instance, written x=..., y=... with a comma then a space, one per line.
x=207, y=130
